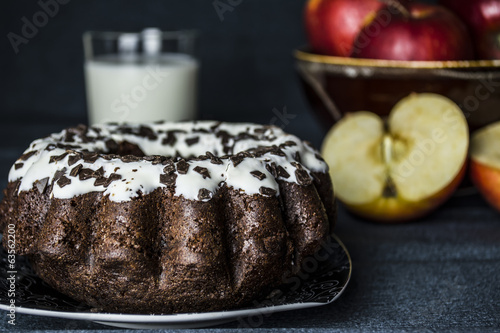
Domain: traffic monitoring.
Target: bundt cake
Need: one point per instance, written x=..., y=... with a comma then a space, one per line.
x=168, y=217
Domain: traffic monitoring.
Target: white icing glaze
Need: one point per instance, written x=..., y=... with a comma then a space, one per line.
x=144, y=176
x=189, y=185
x=240, y=178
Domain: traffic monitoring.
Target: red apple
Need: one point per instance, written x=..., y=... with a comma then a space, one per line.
x=414, y=31
x=483, y=19
x=485, y=162
x=488, y=45
x=332, y=25
x=487, y=180
x=480, y=15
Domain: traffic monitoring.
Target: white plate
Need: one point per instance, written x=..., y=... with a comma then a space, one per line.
x=323, y=279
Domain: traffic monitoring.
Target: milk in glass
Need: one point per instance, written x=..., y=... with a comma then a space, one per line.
x=139, y=81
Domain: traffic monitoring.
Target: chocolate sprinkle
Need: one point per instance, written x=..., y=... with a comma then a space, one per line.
x=63, y=181
x=303, y=177
x=59, y=174
x=246, y=136
x=41, y=184
x=272, y=169
x=215, y=126
x=257, y=174
x=130, y=158
x=57, y=157
x=245, y=154
x=192, y=141
x=90, y=157
x=202, y=171
x=107, y=157
x=236, y=159
x=99, y=172
x=27, y=155
x=72, y=159
x=50, y=147
x=260, y=130
x=170, y=139
x=18, y=166
x=100, y=181
x=63, y=146
x=277, y=151
x=214, y=159
x=76, y=170
x=201, y=130
x=85, y=174
x=281, y=172
x=112, y=177
x=267, y=191
x=168, y=179
x=288, y=144
x=147, y=132
x=169, y=167
x=204, y=194
x=79, y=130
x=297, y=157
x=225, y=136
x=157, y=160
x=111, y=145
x=182, y=167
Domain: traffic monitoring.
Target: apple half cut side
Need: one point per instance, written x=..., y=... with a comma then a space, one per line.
x=402, y=168
x=485, y=162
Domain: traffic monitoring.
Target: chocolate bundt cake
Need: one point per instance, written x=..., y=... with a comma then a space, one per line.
x=168, y=217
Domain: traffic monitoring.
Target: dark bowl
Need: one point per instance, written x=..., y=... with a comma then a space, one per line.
x=337, y=85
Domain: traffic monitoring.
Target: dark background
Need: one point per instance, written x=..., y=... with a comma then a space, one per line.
x=246, y=58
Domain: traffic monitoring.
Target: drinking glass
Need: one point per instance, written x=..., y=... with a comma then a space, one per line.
x=141, y=77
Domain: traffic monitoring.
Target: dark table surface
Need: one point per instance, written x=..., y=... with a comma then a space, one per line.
x=441, y=273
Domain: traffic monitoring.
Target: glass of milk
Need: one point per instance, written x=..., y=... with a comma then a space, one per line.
x=141, y=77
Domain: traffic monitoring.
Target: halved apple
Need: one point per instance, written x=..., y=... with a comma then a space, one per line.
x=485, y=162
x=401, y=168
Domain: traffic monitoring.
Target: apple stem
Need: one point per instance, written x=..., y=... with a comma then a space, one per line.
x=396, y=4
x=387, y=147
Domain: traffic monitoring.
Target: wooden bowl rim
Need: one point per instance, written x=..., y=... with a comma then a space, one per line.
x=304, y=55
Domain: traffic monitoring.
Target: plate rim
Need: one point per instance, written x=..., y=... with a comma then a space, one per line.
x=179, y=318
